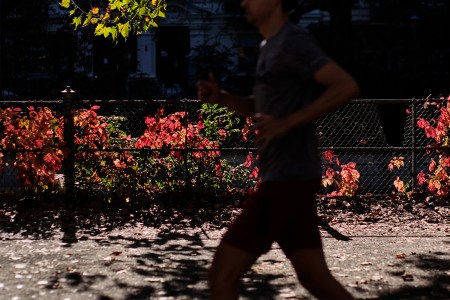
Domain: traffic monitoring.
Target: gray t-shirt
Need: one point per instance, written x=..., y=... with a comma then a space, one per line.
x=284, y=83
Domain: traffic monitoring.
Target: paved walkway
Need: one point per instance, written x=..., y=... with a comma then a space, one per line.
x=147, y=263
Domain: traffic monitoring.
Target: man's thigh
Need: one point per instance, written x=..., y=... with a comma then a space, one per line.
x=278, y=211
x=294, y=216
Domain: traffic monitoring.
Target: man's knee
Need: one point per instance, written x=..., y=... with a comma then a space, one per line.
x=223, y=285
x=311, y=280
x=310, y=267
x=221, y=276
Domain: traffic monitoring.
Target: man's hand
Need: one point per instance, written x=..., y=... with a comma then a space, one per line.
x=208, y=90
x=269, y=128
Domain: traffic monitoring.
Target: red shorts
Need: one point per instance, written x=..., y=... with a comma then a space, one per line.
x=282, y=212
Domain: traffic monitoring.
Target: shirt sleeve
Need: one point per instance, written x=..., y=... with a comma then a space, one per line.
x=305, y=55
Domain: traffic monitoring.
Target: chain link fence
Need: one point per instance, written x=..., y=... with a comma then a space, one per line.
x=355, y=133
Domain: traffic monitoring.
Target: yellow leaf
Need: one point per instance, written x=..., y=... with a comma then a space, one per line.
x=88, y=19
x=99, y=29
x=65, y=3
x=124, y=29
x=106, y=32
x=76, y=21
x=327, y=181
x=114, y=4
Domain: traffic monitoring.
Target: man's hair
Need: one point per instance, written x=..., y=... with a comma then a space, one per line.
x=289, y=5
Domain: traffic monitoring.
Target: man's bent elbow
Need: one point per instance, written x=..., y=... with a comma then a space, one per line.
x=354, y=89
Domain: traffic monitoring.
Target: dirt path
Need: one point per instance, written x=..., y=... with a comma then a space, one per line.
x=140, y=262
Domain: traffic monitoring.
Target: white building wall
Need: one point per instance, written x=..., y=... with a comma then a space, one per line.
x=146, y=55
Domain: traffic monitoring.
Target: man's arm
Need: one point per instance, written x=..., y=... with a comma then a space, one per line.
x=208, y=91
x=243, y=105
x=340, y=88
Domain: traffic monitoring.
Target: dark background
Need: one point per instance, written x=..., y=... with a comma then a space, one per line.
x=402, y=52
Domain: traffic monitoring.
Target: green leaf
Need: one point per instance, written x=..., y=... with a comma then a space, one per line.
x=142, y=11
x=114, y=4
x=133, y=12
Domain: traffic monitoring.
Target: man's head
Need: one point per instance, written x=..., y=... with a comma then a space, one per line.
x=268, y=15
x=287, y=6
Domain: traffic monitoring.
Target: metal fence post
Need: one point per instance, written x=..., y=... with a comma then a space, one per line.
x=413, y=143
x=187, y=178
x=68, y=96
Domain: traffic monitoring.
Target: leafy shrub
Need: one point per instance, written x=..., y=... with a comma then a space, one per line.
x=344, y=177
x=437, y=179
x=401, y=187
x=40, y=132
x=103, y=172
x=171, y=167
x=110, y=162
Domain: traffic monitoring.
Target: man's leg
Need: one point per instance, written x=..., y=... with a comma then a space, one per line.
x=228, y=265
x=313, y=273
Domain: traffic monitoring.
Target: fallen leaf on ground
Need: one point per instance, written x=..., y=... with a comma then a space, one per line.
x=408, y=277
x=288, y=294
x=154, y=279
x=20, y=266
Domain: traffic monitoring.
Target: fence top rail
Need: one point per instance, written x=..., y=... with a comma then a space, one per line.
x=173, y=101
x=394, y=101
x=99, y=101
x=22, y=102
x=380, y=101
x=169, y=101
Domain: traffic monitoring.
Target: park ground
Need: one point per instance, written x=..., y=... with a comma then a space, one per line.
x=386, y=249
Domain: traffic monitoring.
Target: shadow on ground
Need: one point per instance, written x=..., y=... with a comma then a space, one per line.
x=45, y=218
x=434, y=268
x=174, y=263
x=182, y=260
